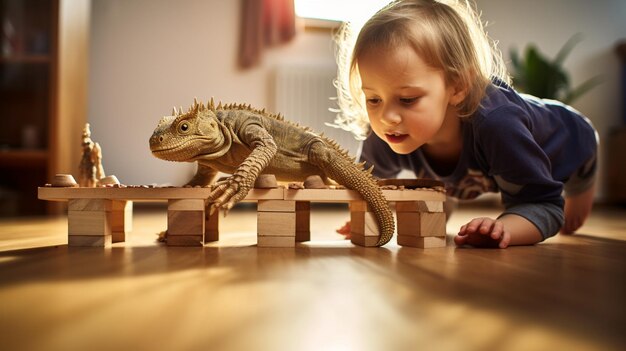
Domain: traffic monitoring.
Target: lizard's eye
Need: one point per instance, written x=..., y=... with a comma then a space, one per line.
x=184, y=127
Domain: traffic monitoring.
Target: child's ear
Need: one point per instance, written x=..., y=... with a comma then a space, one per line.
x=459, y=93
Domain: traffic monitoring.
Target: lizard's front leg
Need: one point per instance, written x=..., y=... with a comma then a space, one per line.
x=234, y=188
x=204, y=176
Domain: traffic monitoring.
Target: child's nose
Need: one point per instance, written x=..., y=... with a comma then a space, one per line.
x=391, y=117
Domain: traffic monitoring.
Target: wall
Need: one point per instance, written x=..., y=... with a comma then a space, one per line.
x=148, y=55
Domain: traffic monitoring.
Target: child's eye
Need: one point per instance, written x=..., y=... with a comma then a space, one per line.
x=372, y=101
x=409, y=101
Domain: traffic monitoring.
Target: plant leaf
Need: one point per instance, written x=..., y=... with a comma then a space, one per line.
x=584, y=87
x=567, y=48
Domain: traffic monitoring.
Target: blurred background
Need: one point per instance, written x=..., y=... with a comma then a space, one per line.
x=123, y=64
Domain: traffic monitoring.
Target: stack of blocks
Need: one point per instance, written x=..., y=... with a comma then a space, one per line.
x=421, y=224
x=185, y=222
x=98, y=222
x=282, y=223
x=94, y=219
x=363, y=225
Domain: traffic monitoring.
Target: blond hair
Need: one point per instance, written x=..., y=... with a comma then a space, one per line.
x=447, y=34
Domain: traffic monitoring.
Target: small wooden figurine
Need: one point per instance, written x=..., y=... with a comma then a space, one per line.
x=90, y=168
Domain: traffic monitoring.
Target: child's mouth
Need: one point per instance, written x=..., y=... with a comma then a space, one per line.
x=396, y=138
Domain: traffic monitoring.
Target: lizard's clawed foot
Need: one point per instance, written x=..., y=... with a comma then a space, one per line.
x=226, y=194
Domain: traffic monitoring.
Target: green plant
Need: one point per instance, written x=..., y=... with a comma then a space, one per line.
x=536, y=75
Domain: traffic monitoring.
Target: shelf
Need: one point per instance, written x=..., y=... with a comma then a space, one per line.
x=23, y=158
x=26, y=59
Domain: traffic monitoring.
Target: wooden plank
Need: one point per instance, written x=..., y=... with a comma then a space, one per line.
x=276, y=206
x=186, y=205
x=419, y=206
x=146, y=194
x=89, y=205
x=422, y=242
x=344, y=195
x=412, y=183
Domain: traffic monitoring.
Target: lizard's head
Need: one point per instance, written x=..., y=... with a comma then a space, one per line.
x=195, y=134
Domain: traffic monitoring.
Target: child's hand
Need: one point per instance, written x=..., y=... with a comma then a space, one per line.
x=483, y=232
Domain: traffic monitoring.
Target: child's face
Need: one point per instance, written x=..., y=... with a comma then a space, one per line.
x=407, y=101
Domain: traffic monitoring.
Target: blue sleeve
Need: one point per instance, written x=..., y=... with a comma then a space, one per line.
x=521, y=168
x=375, y=152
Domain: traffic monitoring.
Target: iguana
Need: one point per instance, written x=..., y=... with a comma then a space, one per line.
x=245, y=142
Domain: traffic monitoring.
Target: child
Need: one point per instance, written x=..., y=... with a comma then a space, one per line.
x=439, y=103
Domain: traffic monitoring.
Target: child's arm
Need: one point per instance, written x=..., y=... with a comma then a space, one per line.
x=510, y=229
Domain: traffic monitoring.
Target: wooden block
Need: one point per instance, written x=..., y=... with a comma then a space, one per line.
x=359, y=206
x=433, y=224
x=303, y=236
x=419, y=206
x=185, y=222
x=184, y=240
x=211, y=226
x=361, y=240
x=303, y=206
x=421, y=223
x=276, y=206
x=121, y=205
x=118, y=237
x=121, y=219
x=89, y=205
x=89, y=240
x=96, y=223
x=186, y=205
x=276, y=241
x=364, y=223
x=422, y=242
x=276, y=224
x=408, y=223
x=122, y=216
x=303, y=221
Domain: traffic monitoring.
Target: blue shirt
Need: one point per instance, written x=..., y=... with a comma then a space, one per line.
x=524, y=147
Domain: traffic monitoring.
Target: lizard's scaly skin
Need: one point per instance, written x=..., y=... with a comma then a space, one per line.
x=245, y=142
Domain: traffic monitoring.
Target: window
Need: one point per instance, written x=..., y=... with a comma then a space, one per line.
x=355, y=11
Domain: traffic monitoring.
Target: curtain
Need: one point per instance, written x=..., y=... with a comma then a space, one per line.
x=264, y=23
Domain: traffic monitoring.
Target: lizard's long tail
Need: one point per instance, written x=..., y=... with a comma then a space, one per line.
x=341, y=169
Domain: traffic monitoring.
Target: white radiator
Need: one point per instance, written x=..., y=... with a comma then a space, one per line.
x=303, y=93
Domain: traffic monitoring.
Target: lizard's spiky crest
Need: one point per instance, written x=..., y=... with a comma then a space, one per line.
x=197, y=107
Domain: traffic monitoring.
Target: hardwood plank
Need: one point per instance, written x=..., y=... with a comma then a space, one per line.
x=566, y=293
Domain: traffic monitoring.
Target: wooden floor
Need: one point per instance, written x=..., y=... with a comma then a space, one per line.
x=567, y=293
